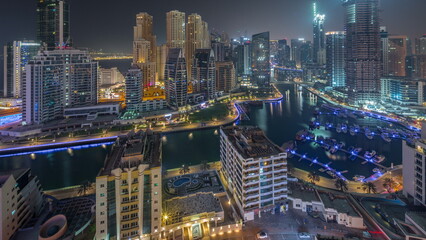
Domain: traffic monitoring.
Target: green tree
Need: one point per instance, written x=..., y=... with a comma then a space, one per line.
x=341, y=184
x=205, y=166
x=313, y=177
x=369, y=187
x=389, y=184
x=184, y=169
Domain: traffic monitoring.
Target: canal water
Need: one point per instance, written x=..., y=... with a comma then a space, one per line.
x=281, y=121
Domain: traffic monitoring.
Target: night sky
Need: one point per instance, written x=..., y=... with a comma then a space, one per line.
x=107, y=24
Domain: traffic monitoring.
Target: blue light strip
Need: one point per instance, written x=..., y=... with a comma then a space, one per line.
x=61, y=143
x=57, y=149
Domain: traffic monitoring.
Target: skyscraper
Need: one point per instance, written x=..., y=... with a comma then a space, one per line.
x=384, y=39
x=53, y=23
x=397, y=53
x=145, y=49
x=260, y=54
x=55, y=80
x=204, y=73
x=243, y=58
x=176, y=82
x=134, y=92
x=363, y=65
x=197, y=37
x=301, y=52
x=284, y=55
x=335, y=45
x=225, y=76
x=16, y=55
x=318, y=53
x=175, y=29
x=143, y=32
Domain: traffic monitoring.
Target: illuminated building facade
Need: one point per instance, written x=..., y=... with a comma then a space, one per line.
x=397, y=53
x=204, y=73
x=128, y=189
x=335, y=42
x=16, y=55
x=225, y=76
x=55, y=80
x=319, y=50
x=53, y=23
x=254, y=168
x=176, y=81
x=175, y=29
x=260, y=60
x=363, y=60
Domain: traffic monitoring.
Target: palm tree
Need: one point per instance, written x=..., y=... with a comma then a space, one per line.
x=82, y=190
x=313, y=177
x=341, y=184
x=205, y=166
x=184, y=169
x=389, y=184
x=369, y=187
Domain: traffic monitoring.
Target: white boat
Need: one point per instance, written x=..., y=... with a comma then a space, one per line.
x=370, y=155
x=344, y=128
x=359, y=178
x=385, y=137
x=339, y=128
x=379, y=158
x=376, y=170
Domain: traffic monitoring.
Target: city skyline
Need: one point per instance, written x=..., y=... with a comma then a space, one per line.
x=117, y=37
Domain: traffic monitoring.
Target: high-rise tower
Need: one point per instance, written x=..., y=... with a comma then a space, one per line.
x=53, y=23
x=197, y=37
x=363, y=60
x=319, y=37
x=335, y=42
x=175, y=28
x=260, y=54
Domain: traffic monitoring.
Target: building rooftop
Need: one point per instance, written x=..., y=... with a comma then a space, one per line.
x=339, y=203
x=303, y=192
x=251, y=142
x=419, y=218
x=134, y=149
x=181, y=207
x=17, y=174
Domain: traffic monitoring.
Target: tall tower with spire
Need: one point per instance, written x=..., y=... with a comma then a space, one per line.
x=319, y=49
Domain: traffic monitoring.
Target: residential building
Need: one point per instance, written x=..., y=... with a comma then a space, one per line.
x=225, y=76
x=416, y=66
x=16, y=55
x=145, y=49
x=260, y=54
x=134, y=90
x=397, y=53
x=21, y=198
x=243, y=58
x=363, y=59
x=204, y=73
x=129, y=189
x=384, y=39
x=161, y=61
x=301, y=52
x=176, y=29
x=197, y=37
x=55, y=80
x=335, y=44
x=254, y=169
x=53, y=23
x=319, y=49
x=176, y=82
x=110, y=76
x=420, y=45
x=284, y=54
x=402, y=90
x=414, y=171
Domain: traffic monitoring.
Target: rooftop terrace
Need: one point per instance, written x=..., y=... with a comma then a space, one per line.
x=251, y=142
